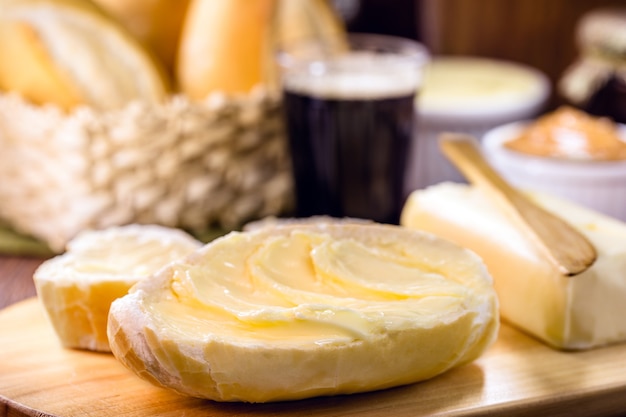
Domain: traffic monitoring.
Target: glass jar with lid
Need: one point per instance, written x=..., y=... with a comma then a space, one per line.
x=596, y=82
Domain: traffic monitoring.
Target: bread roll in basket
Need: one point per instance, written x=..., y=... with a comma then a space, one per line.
x=123, y=146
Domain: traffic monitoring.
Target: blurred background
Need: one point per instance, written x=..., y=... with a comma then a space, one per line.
x=220, y=49
x=538, y=33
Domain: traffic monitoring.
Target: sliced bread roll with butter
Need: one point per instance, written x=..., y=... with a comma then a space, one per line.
x=579, y=312
x=77, y=288
x=297, y=311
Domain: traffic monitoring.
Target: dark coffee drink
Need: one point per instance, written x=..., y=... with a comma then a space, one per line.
x=349, y=155
x=350, y=118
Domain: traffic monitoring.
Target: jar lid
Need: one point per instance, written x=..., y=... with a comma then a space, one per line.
x=480, y=90
x=603, y=30
x=601, y=34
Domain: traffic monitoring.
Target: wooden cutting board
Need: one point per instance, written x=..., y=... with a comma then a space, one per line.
x=517, y=376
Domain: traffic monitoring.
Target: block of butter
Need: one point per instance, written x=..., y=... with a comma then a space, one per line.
x=77, y=287
x=579, y=312
x=297, y=311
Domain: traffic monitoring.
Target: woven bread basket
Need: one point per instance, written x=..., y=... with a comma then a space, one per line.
x=195, y=165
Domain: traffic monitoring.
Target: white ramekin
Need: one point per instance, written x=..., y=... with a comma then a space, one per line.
x=468, y=95
x=599, y=185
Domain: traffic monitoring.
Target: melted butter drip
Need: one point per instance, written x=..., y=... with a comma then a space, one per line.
x=305, y=286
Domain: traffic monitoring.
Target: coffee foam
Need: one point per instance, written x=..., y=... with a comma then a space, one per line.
x=356, y=76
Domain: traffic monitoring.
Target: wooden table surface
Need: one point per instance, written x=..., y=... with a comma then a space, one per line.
x=16, y=278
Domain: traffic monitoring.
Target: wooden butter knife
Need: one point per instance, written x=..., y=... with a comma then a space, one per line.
x=565, y=246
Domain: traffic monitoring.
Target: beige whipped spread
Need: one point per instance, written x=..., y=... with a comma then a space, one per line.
x=571, y=134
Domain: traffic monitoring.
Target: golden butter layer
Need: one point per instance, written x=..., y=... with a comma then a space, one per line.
x=308, y=286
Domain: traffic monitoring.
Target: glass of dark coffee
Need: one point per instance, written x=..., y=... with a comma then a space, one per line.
x=350, y=118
